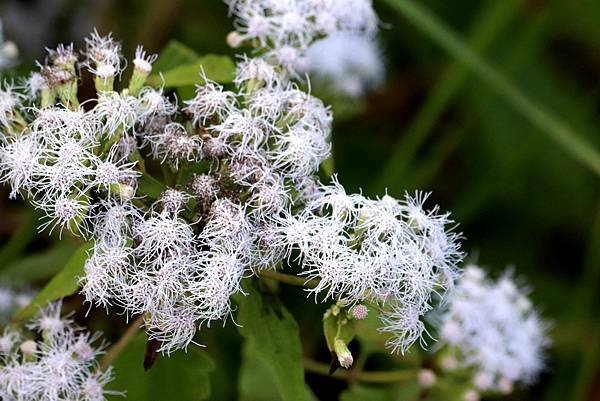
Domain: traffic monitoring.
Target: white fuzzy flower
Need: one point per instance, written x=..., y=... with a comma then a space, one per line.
x=284, y=29
x=8, y=51
x=142, y=61
x=494, y=329
x=8, y=342
x=153, y=104
x=204, y=187
x=19, y=160
x=257, y=69
x=162, y=236
x=49, y=320
x=364, y=249
x=106, y=273
x=116, y=112
x=174, y=144
x=9, y=101
x=210, y=101
x=350, y=63
x=61, y=367
x=173, y=201
x=103, y=55
x=66, y=212
x=299, y=150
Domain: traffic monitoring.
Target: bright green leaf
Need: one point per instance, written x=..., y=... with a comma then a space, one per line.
x=173, y=55
x=65, y=283
x=217, y=68
x=182, y=376
x=271, y=335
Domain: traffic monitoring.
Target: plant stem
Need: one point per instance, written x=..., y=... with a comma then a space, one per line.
x=288, y=279
x=547, y=123
x=116, y=349
x=360, y=375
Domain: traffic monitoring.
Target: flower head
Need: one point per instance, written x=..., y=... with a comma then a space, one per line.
x=493, y=328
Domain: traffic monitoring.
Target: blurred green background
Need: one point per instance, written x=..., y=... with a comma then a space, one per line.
x=521, y=198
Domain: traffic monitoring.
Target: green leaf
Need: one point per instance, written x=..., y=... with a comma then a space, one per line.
x=272, y=336
x=150, y=186
x=182, y=376
x=65, y=283
x=556, y=129
x=328, y=166
x=19, y=239
x=401, y=392
x=362, y=393
x=256, y=382
x=173, y=55
x=217, y=68
x=39, y=266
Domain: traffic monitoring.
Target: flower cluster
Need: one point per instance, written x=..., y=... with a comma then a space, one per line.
x=384, y=251
x=60, y=366
x=12, y=300
x=240, y=193
x=492, y=328
x=284, y=30
x=238, y=156
x=8, y=51
x=349, y=63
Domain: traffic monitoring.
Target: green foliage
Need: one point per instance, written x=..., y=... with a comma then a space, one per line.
x=172, y=55
x=337, y=328
x=547, y=123
x=272, y=337
x=399, y=392
x=65, y=283
x=182, y=376
x=150, y=186
x=217, y=68
x=179, y=66
x=39, y=266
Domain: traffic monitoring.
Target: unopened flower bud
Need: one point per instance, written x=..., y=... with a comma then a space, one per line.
x=28, y=348
x=234, y=40
x=426, y=378
x=483, y=381
x=84, y=351
x=448, y=362
x=471, y=395
x=343, y=353
x=359, y=312
x=9, y=50
x=142, y=67
x=505, y=385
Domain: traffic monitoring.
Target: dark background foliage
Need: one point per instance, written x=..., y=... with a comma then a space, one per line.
x=520, y=198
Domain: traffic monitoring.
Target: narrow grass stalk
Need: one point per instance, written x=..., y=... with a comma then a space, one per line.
x=547, y=123
x=360, y=375
x=494, y=18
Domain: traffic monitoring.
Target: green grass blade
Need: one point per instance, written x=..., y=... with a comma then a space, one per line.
x=588, y=288
x=493, y=19
x=554, y=127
